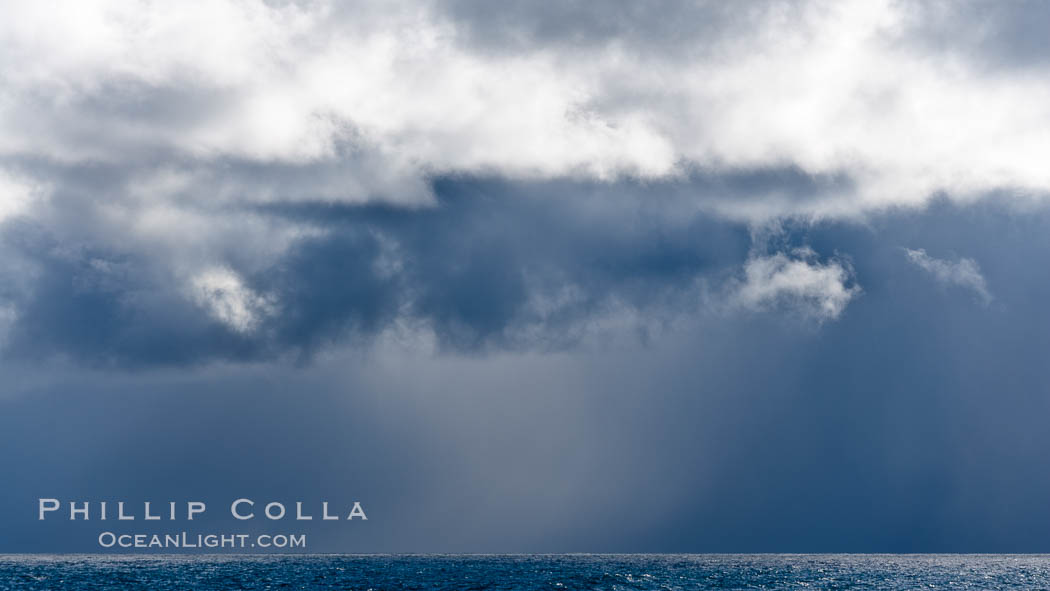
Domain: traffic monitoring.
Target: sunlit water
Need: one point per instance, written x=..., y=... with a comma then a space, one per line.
x=555, y=572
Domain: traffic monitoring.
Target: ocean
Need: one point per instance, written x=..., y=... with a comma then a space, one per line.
x=550, y=572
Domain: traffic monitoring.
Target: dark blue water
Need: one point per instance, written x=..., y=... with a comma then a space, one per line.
x=559, y=572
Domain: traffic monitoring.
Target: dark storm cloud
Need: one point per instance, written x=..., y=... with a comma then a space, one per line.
x=913, y=423
x=472, y=268
x=103, y=307
x=493, y=264
x=472, y=264
x=243, y=206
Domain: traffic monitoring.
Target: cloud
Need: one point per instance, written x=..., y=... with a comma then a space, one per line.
x=797, y=281
x=899, y=382
x=963, y=272
x=379, y=98
x=224, y=295
x=495, y=265
x=17, y=196
x=994, y=36
x=172, y=141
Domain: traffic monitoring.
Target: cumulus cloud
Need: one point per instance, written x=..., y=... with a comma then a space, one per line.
x=797, y=281
x=177, y=139
x=963, y=272
x=384, y=94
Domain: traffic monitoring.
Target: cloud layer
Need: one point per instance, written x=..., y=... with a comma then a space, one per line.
x=164, y=155
x=368, y=101
x=911, y=423
x=491, y=265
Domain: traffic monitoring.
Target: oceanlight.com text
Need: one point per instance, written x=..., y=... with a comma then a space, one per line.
x=194, y=541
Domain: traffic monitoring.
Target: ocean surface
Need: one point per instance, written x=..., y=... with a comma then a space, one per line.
x=555, y=572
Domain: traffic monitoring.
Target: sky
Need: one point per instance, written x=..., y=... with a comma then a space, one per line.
x=572, y=277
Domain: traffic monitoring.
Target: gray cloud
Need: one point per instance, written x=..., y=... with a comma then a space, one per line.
x=507, y=272
x=662, y=28
x=995, y=35
x=230, y=178
x=493, y=265
x=893, y=425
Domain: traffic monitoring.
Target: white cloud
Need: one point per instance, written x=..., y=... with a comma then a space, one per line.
x=150, y=123
x=222, y=293
x=17, y=195
x=829, y=88
x=963, y=272
x=796, y=281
